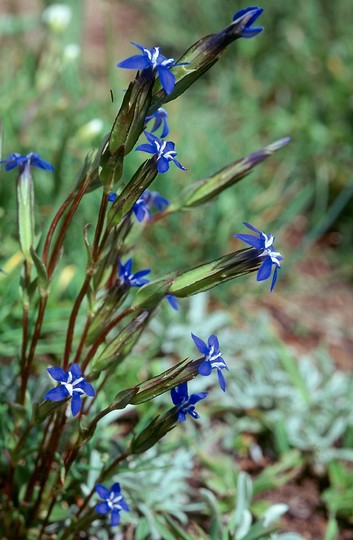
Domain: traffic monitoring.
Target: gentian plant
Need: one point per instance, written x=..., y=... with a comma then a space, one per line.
x=52, y=432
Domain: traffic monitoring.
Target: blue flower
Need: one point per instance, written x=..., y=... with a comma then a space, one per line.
x=164, y=150
x=129, y=279
x=213, y=358
x=172, y=301
x=114, y=502
x=152, y=58
x=184, y=402
x=148, y=199
x=112, y=196
x=271, y=257
x=34, y=160
x=72, y=384
x=248, y=31
x=160, y=118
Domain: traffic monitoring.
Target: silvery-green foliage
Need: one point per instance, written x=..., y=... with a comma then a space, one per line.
x=157, y=487
x=241, y=524
x=305, y=397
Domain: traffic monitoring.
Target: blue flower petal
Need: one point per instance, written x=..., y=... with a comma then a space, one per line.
x=75, y=404
x=201, y=345
x=181, y=416
x=251, y=240
x=102, y=507
x=265, y=269
x=57, y=394
x=195, y=398
x=76, y=371
x=57, y=374
x=163, y=165
x=116, y=489
x=178, y=164
x=251, y=227
x=194, y=414
x=205, y=368
x=213, y=342
x=124, y=505
x=221, y=380
x=135, y=62
x=112, y=197
x=87, y=388
x=167, y=79
x=146, y=148
x=115, y=517
x=102, y=491
x=173, y=301
x=274, y=279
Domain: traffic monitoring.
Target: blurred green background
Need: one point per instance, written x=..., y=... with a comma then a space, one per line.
x=293, y=79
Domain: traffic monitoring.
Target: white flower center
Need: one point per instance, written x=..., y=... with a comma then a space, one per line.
x=275, y=256
x=70, y=386
x=152, y=55
x=114, y=501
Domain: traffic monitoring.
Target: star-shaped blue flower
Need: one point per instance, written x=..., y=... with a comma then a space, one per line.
x=34, y=160
x=152, y=59
x=128, y=279
x=160, y=119
x=163, y=150
x=72, y=384
x=249, y=31
x=270, y=257
x=213, y=358
x=113, y=501
x=184, y=402
x=144, y=204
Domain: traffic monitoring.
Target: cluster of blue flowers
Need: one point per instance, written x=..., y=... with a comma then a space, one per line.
x=184, y=402
x=72, y=384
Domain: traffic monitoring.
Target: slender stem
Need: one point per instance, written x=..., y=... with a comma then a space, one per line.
x=82, y=340
x=51, y=266
x=100, y=222
x=47, y=462
x=35, y=473
x=25, y=321
x=65, y=225
x=85, y=286
x=103, y=335
x=53, y=226
x=35, y=337
x=50, y=509
x=72, y=320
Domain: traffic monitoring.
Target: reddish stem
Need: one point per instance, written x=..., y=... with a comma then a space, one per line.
x=103, y=335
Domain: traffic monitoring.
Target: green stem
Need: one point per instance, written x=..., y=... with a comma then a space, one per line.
x=103, y=335
x=65, y=225
x=85, y=286
x=25, y=321
x=53, y=226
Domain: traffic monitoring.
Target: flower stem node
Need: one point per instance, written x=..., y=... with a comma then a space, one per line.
x=72, y=385
x=186, y=403
x=270, y=257
x=213, y=358
x=113, y=501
